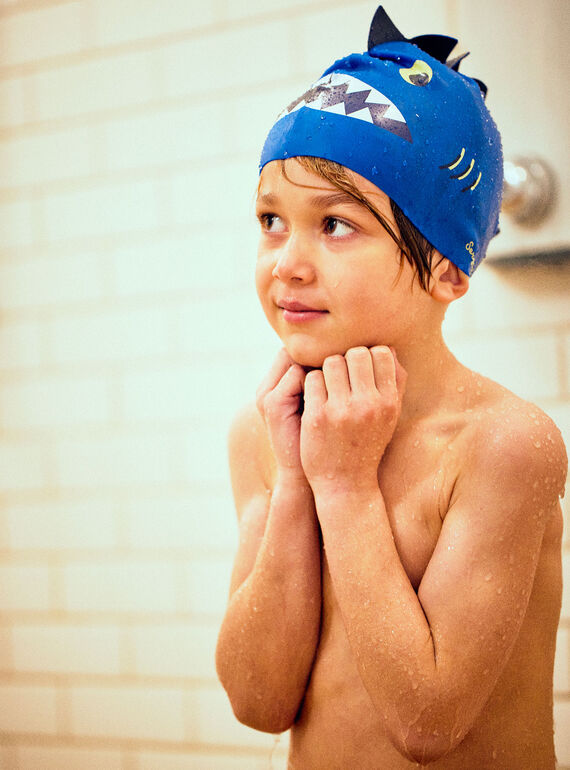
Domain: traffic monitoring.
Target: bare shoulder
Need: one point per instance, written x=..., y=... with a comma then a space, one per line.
x=513, y=442
x=250, y=455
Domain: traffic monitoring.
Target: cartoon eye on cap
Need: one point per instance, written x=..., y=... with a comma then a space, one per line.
x=419, y=74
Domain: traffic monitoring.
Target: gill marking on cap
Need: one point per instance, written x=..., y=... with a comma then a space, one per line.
x=455, y=162
x=474, y=185
x=463, y=173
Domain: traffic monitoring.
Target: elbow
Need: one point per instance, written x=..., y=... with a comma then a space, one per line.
x=425, y=748
x=259, y=710
x=424, y=753
x=265, y=698
x=256, y=716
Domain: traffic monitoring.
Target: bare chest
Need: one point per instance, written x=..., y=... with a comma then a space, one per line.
x=416, y=478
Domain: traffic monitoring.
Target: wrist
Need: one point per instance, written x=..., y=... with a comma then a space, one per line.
x=289, y=479
x=339, y=486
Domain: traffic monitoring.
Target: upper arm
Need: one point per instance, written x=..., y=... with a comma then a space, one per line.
x=250, y=471
x=477, y=585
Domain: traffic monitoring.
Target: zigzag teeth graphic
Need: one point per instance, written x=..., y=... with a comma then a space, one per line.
x=362, y=115
x=349, y=96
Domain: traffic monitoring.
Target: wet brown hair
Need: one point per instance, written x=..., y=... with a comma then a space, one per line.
x=413, y=246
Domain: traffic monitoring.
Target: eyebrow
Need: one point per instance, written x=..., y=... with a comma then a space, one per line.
x=322, y=201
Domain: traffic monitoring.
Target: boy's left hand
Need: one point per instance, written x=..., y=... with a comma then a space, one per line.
x=351, y=410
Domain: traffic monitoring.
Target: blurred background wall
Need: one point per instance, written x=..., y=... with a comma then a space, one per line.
x=129, y=335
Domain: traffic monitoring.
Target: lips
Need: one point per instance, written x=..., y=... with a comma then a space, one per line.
x=297, y=312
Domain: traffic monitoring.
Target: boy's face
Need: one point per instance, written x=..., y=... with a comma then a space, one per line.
x=328, y=275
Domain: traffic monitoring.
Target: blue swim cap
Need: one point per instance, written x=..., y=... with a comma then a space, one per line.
x=404, y=118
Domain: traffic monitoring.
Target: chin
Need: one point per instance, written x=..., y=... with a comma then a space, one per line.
x=310, y=357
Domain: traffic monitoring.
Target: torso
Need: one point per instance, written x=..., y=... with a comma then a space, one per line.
x=337, y=727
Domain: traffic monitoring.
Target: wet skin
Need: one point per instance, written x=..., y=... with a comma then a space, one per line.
x=397, y=587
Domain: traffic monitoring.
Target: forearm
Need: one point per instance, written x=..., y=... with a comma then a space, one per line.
x=269, y=635
x=386, y=625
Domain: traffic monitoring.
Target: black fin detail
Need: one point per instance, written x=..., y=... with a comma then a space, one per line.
x=482, y=86
x=383, y=30
x=453, y=64
x=438, y=46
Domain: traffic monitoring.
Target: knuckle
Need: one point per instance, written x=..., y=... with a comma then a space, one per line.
x=312, y=378
x=359, y=352
x=382, y=355
x=335, y=360
x=389, y=409
x=341, y=413
x=380, y=350
x=260, y=400
x=269, y=403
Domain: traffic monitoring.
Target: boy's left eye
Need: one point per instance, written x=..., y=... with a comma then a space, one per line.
x=337, y=227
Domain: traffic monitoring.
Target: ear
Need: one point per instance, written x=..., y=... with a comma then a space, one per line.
x=447, y=281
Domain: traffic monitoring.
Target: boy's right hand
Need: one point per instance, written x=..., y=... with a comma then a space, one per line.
x=279, y=400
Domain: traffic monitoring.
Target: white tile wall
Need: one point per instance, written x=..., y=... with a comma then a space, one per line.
x=57, y=758
x=28, y=709
x=40, y=34
x=130, y=334
x=128, y=711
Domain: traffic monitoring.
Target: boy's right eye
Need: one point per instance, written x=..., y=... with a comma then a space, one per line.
x=271, y=223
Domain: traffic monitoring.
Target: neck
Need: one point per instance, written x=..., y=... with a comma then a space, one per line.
x=430, y=367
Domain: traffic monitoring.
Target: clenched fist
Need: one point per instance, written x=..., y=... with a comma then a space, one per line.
x=351, y=410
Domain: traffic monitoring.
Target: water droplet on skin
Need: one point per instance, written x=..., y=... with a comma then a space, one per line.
x=460, y=388
x=488, y=577
x=537, y=444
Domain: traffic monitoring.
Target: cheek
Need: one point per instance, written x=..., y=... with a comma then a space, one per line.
x=262, y=278
x=263, y=283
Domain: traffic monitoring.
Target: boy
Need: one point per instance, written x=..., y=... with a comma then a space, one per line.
x=397, y=586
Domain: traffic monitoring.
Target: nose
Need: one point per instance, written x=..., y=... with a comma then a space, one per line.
x=294, y=262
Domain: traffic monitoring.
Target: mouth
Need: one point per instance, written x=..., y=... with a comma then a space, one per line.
x=297, y=312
